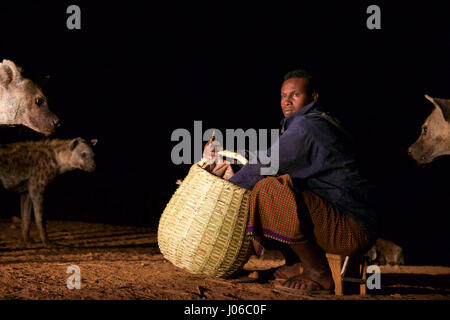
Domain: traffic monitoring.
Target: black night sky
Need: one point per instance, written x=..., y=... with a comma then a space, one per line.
x=133, y=74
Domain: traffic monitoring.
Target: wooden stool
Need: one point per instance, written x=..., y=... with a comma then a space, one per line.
x=352, y=271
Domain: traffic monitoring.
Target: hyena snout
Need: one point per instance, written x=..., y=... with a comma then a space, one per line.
x=90, y=167
x=420, y=153
x=50, y=123
x=412, y=152
x=56, y=122
x=43, y=121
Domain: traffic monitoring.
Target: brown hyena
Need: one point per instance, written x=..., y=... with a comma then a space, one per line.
x=22, y=101
x=28, y=167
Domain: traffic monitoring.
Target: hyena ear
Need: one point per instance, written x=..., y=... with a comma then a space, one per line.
x=5, y=75
x=9, y=73
x=443, y=104
x=94, y=142
x=73, y=144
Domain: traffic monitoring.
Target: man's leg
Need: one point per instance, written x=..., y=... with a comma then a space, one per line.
x=273, y=220
x=314, y=262
x=311, y=225
x=315, y=268
x=292, y=262
x=326, y=230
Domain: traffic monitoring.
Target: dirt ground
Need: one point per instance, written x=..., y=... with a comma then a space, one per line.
x=123, y=262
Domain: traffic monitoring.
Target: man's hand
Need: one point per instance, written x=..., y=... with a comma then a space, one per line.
x=223, y=170
x=216, y=165
x=211, y=148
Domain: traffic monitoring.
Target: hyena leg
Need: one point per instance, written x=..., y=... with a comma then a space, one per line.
x=38, y=205
x=25, y=214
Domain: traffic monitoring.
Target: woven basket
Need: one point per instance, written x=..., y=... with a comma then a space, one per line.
x=203, y=227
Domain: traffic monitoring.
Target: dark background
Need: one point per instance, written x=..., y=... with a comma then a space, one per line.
x=135, y=73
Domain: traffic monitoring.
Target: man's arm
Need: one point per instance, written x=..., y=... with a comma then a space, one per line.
x=299, y=156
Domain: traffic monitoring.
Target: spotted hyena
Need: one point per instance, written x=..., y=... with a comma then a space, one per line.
x=434, y=140
x=28, y=167
x=22, y=101
x=386, y=252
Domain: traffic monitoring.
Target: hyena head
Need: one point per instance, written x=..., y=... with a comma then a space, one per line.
x=22, y=101
x=434, y=140
x=81, y=154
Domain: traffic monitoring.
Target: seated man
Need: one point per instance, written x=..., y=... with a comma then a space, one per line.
x=318, y=202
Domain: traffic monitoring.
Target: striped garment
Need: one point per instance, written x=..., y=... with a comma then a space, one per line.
x=275, y=211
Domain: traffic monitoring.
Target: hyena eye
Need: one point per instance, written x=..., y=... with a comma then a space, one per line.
x=425, y=129
x=39, y=101
x=84, y=155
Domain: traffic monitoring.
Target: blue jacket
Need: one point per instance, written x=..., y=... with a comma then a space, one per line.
x=315, y=151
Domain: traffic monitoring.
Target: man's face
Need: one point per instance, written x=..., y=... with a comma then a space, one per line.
x=294, y=95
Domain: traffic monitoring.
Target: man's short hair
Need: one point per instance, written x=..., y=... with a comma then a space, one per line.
x=299, y=73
